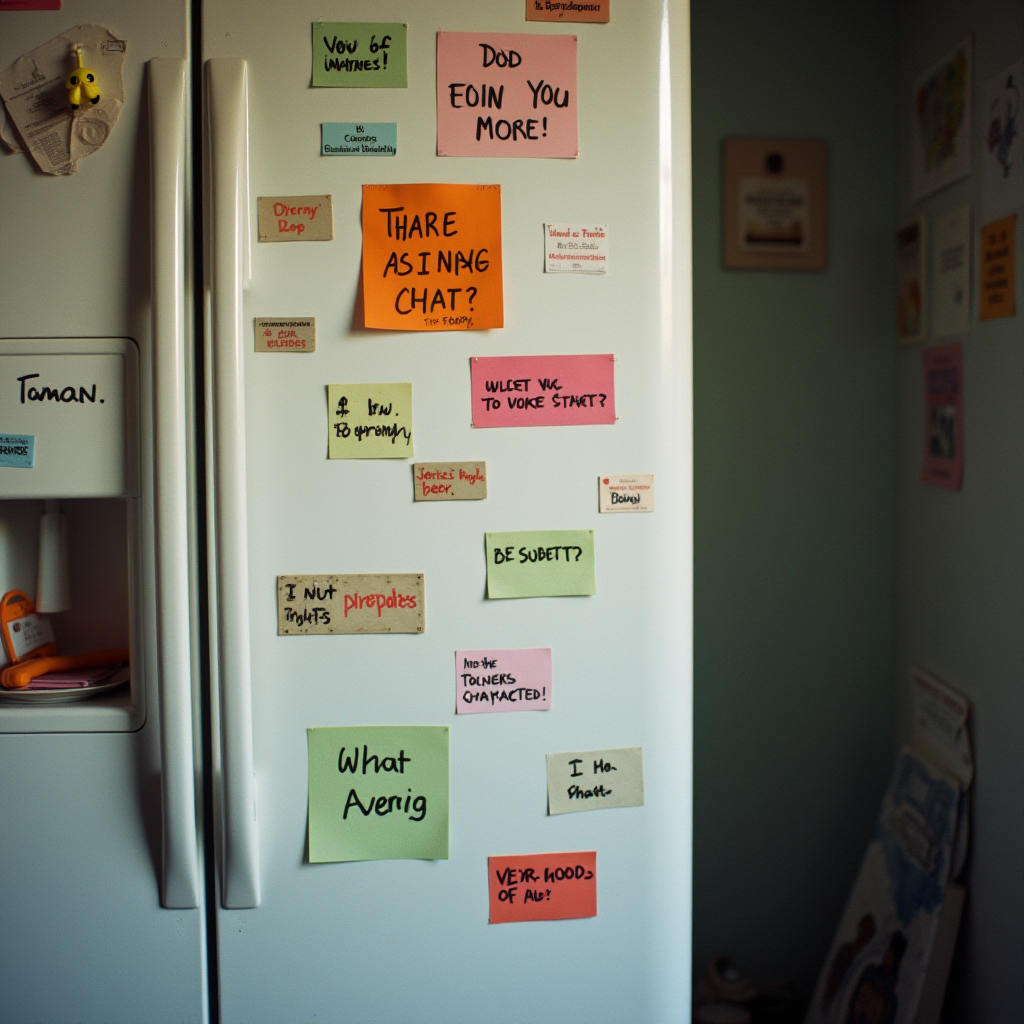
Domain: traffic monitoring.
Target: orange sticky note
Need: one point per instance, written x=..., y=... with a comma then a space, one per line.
x=999, y=269
x=432, y=257
x=542, y=886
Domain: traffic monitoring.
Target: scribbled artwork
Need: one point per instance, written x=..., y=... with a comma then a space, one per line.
x=1002, y=172
x=942, y=123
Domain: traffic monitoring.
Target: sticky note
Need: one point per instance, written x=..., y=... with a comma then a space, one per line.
x=589, y=780
x=626, y=493
x=540, y=563
x=352, y=603
x=542, y=391
x=17, y=451
x=576, y=248
x=506, y=94
x=353, y=139
x=369, y=421
x=378, y=793
x=295, y=218
x=568, y=10
x=449, y=481
x=998, y=287
x=516, y=680
x=542, y=887
x=432, y=257
x=359, y=54
x=277, y=335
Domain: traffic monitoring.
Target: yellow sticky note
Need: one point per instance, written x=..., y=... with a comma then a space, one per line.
x=369, y=421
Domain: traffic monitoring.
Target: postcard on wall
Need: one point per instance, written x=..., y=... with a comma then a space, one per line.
x=1002, y=176
x=295, y=218
x=944, y=417
x=776, y=193
x=540, y=563
x=951, y=273
x=449, y=481
x=626, y=493
x=590, y=780
x=542, y=887
x=351, y=603
x=575, y=248
x=941, y=123
x=514, y=680
x=378, y=793
x=569, y=10
x=911, y=280
x=997, y=292
x=359, y=55
x=432, y=257
x=369, y=421
x=506, y=94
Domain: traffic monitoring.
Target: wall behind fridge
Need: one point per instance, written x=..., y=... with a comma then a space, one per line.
x=794, y=505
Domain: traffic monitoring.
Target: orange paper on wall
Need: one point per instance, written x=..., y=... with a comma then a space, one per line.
x=998, y=289
x=542, y=886
x=432, y=257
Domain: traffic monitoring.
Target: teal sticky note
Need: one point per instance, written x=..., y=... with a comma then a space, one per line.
x=358, y=139
x=378, y=793
x=17, y=450
x=359, y=55
x=540, y=563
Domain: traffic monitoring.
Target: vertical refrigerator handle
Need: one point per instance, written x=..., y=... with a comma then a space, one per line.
x=227, y=97
x=166, y=81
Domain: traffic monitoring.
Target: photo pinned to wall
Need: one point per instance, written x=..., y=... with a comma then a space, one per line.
x=941, y=123
x=1003, y=153
x=776, y=202
x=912, y=281
x=997, y=291
x=951, y=273
x=944, y=417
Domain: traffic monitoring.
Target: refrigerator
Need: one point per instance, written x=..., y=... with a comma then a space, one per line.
x=156, y=839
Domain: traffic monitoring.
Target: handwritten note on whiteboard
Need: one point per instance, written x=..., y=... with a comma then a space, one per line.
x=506, y=94
x=542, y=391
x=542, y=886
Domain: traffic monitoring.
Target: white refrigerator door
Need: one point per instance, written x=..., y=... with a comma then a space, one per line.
x=405, y=940
x=101, y=886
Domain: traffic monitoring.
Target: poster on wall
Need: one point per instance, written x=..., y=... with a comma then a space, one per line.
x=1002, y=173
x=944, y=417
x=951, y=273
x=775, y=204
x=911, y=280
x=941, y=123
x=997, y=289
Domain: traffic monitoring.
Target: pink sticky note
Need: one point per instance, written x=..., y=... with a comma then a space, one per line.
x=517, y=680
x=542, y=391
x=506, y=94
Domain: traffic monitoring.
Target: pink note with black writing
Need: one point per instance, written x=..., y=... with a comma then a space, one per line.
x=516, y=680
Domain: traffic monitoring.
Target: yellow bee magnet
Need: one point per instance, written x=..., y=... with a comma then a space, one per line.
x=82, y=84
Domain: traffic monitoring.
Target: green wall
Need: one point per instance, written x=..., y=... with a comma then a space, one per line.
x=794, y=478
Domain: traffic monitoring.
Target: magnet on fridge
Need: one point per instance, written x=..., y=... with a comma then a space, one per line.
x=82, y=84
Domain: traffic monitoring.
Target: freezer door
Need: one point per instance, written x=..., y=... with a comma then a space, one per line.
x=408, y=940
x=101, y=888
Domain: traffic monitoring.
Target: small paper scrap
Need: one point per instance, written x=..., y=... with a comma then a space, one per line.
x=366, y=139
x=516, y=680
x=369, y=421
x=295, y=219
x=355, y=603
x=540, y=563
x=576, y=248
x=17, y=451
x=542, y=887
x=449, y=481
x=590, y=780
x=285, y=335
x=569, y=10
x=627, y=493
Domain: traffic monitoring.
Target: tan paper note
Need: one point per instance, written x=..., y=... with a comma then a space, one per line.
x=356, y=603
x=627, y=493
x=589, y=780
x=295, y=219
x=449, y=481
x=296, y=335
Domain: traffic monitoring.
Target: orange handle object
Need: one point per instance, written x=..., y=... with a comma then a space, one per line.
x=17, y=677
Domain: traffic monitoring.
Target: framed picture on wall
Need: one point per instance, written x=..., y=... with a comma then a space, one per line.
x=911, y=281
x=941, y=123
x=776, y=202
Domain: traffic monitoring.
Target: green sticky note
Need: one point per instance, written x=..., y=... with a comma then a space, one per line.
x=369, y=421
x=378, y=792
x=540, y=563
x=359, y=55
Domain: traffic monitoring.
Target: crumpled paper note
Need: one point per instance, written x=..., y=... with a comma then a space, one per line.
x=32, y=88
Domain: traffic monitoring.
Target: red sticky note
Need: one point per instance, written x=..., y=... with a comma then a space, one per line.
x=542, y=391
x=542, y=886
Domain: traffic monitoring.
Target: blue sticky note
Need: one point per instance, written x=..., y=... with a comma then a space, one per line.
x=17, y=450
x=359, y=139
